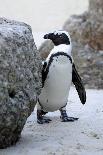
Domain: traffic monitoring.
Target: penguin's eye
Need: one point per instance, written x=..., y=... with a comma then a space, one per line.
x=60, y=36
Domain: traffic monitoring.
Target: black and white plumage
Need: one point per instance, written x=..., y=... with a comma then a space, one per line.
x=57, y=75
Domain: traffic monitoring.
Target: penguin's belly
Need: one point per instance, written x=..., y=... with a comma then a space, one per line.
x=54, y=94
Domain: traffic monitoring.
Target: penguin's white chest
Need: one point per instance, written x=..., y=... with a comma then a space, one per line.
x=54, y=94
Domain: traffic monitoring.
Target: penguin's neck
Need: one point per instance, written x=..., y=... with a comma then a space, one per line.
x=62, y=48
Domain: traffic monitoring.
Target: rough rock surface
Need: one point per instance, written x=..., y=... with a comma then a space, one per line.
x=19, y=78
x=89, y=63
x=86, y=31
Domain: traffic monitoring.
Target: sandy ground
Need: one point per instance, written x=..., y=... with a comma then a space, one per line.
x=83, y=137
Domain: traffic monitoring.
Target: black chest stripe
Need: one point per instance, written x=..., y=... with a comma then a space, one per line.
x=45, y=69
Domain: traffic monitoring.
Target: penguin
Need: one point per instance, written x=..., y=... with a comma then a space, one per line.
x=58, y=72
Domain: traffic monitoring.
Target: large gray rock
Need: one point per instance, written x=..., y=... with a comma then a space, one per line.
x=89, y=63
x=88, y=27
x=20, y=66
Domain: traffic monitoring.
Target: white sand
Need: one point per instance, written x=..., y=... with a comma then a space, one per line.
x=83, y=137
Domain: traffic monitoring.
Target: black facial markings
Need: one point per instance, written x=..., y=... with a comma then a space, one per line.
x=46, y=67
x=60, y=39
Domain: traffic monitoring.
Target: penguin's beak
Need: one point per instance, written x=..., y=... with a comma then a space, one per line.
x=46, y=36
x=49, y=36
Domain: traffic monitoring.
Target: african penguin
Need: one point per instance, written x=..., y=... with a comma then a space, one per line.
x=58, y=73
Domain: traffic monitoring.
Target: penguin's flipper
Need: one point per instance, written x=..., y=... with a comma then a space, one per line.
x=78, y=84
x=44, y=72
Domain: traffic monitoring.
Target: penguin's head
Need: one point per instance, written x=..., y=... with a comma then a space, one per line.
x=59, y=37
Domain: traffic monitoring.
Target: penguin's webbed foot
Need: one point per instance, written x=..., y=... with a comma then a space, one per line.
x=64, y=117
x=42, y=119
x=69, y=119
